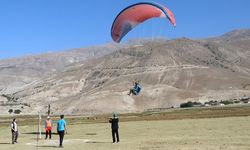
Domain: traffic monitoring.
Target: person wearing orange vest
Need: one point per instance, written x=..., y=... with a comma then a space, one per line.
x=48, y=127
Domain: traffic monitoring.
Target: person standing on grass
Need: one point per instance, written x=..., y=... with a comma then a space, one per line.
x=114, y=126
x=14, y=131
x=61, y=129
x=48, y=127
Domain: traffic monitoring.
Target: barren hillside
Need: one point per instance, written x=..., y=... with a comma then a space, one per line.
x=18, y=72
x=170, y=72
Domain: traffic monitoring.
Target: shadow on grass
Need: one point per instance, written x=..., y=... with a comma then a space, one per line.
x=93, y=142
x=48, y=146
x=35, y=133
x=43, y=138
x=5, y=143
x=91, y=133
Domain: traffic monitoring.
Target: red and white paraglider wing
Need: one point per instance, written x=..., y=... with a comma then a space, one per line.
x=135, y=14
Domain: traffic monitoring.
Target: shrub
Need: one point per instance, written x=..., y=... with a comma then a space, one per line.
x=226, y=102
x=10, y=111
x=17, y=111
x=188, y=104
x=237, y=102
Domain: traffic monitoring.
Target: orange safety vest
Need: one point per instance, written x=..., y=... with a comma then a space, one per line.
x=48, y=124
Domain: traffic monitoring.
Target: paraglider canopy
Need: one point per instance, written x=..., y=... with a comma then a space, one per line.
x=135, y=14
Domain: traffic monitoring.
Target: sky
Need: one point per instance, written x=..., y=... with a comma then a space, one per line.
x=29, y=27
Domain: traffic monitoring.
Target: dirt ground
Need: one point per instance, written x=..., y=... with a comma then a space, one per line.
x=230, y=133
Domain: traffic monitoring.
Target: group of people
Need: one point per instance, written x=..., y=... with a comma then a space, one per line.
x=62, y=129
x=61, y=123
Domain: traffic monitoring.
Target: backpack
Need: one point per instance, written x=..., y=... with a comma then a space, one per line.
x=138, y=89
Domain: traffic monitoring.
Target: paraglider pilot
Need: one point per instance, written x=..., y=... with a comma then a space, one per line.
x=136, y=90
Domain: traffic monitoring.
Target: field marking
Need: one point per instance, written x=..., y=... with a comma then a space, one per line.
x=56, y=142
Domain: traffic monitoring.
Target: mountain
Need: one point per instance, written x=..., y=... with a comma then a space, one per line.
x=170, y=72
x=237, y=35
x=18, y=72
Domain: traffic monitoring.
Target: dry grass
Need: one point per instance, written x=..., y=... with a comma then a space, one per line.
x=186, y=129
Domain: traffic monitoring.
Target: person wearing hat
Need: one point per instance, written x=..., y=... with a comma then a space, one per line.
x=48, y=127
x=114, y=126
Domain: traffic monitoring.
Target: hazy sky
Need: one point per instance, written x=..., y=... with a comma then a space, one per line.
x=38, y=26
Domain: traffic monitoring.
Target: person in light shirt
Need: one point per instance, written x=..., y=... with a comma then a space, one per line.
x=14, y=131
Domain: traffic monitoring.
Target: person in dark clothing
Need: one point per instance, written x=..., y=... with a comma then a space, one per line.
x=114, y=126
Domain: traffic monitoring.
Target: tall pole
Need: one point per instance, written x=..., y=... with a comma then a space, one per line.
x=49, y=110
x=39, y=124
x=38, y=129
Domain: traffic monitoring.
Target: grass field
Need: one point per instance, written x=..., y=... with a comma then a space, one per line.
x=200, y=129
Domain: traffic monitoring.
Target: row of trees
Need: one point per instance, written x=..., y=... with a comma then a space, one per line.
x=214, y=103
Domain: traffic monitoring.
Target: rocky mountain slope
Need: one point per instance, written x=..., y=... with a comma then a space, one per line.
x=18, y=72
x=170, y=72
